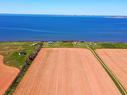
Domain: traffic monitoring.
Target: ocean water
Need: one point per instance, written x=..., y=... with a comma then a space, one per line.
x=67, y=28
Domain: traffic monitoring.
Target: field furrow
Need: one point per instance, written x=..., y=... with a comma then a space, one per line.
x=116, y=60
x=66, y=71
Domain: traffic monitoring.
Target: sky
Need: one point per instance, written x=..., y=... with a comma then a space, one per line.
x=65, y=7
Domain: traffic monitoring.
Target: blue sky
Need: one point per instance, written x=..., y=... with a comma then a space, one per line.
x=66, y=7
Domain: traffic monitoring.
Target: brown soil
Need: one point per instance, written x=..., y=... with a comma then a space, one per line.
x=7, y=76
x=66, y=71
x=116, y=59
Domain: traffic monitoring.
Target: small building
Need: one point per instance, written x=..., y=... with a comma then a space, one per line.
x=34, y=44
x=22, y=53
x=50, y=42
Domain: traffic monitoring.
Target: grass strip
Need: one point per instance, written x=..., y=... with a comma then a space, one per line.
x=110, y=73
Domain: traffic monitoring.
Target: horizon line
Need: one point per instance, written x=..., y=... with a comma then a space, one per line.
x=59, y=14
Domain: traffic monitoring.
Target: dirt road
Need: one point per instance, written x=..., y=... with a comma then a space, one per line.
x=66, y=71
x=116, y=59
x=7, y=75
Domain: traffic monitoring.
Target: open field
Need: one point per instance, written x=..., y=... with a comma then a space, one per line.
x=116, y=60
x=58, y=44
x=100, y=45
x=66, y=71
x=76, y=44
x=62, y=44
x=7, y=76
x=10, y=51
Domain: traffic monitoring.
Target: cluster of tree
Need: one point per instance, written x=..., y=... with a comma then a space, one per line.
x=34, y=54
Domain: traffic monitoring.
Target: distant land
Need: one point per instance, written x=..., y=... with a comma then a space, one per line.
x=107, y=16
x=116, y=16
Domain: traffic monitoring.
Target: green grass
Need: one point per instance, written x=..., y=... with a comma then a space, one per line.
x=100, y=45
x=58, y=45
x=61, y=44
x=10, y=51
x=93, y=45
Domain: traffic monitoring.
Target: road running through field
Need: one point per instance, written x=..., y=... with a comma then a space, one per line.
x=116, y=59
x=66, y=71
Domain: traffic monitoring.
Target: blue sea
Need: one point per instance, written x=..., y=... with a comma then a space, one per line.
x=62, y=28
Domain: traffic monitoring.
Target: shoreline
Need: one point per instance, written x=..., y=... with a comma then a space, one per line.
x=67, y=41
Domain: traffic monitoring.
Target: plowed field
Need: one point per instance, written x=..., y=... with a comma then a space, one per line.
x=66, y=71
x=116, y=59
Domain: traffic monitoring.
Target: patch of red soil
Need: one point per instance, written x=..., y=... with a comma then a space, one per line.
x=66, y=71
x=116, y=59
x=7, y=76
